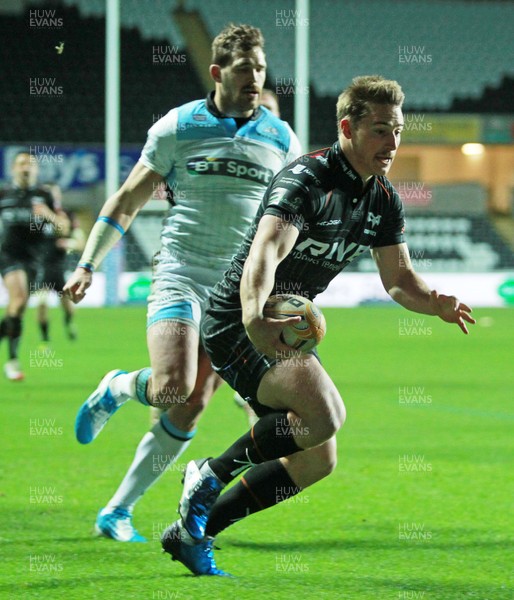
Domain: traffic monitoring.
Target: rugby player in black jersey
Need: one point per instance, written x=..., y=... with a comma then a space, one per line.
x=54, y=269
x=317, y=215
x=25, y=210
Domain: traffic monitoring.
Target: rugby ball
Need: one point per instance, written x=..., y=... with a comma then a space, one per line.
x=307, y=333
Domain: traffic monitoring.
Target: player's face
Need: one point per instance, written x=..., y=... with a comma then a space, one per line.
x=373, y=142
x=24, y=171
x=241, y=83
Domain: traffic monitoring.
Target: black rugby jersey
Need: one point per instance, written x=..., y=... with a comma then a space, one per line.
x=23, y=235
x=323, y=196
x=55, y=256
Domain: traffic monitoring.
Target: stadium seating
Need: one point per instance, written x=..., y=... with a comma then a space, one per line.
x=450, y=244
x=442, y=36
x=74, y=112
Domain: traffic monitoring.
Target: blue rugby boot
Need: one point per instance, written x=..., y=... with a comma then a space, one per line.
x=198, y=497
x=117, y=525
x=198, y=557
x=96, y=410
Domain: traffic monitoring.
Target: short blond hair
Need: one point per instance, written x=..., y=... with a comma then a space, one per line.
x=354, y=102
x=235, y=38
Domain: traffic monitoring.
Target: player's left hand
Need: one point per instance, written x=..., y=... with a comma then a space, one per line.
x=451, y=310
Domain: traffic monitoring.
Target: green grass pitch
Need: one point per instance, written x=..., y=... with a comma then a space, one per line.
x=420, y=506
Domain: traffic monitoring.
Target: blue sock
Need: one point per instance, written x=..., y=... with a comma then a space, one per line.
x=175, y=432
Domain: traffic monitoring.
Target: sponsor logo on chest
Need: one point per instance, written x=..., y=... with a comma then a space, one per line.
x=229, y=167
x=331, y=253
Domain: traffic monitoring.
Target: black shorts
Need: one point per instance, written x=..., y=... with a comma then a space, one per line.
x=11, y=262
x=53, y=277
x=233, y=356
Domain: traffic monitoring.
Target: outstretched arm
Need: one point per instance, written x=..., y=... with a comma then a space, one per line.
x=114, y=219
x=407, y=288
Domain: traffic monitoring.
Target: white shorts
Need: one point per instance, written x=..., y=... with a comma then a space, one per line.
x=176, y=297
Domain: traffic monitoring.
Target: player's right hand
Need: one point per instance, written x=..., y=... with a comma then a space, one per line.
x=265, y=335
x=76, y=286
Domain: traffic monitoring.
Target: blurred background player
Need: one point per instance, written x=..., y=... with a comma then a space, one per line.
x=53, y=279
x=270, y=100
x=335, y=198
x=217, y=155
x=27, y=211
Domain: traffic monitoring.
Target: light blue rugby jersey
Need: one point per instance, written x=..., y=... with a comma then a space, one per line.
x=218, y=175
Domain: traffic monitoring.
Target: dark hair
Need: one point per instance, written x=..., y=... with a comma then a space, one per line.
x=235, y=38
x=353, y=103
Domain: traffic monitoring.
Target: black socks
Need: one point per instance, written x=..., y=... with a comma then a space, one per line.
x=10, y=327
x=263, y=486
x=271, y=437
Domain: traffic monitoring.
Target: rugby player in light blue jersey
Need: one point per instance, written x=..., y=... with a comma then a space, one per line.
x=217, y=156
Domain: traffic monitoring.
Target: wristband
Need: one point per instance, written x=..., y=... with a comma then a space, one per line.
x=86, y=266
